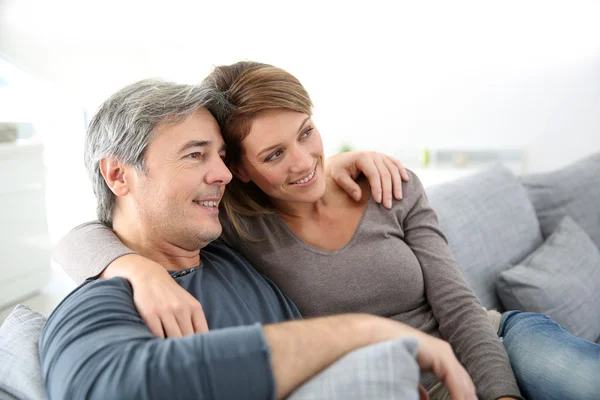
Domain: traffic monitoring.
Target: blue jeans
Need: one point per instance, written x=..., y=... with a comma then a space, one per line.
x=548, y=362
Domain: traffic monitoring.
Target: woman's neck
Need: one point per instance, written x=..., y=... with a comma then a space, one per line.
x=333, y=198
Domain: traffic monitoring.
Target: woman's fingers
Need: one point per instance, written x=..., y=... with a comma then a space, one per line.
x=167, y=308
x=199, y=319
x=170, y=325
x=184, y=320
x=154, y=324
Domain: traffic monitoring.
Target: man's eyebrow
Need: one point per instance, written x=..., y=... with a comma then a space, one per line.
x=279, y=144
x=195, y=143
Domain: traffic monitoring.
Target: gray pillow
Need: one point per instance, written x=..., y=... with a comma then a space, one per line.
x=489, y=223
x=560, y=279
x=384, y=371
x=6, y=396
x=20, y=373
x=573, y=190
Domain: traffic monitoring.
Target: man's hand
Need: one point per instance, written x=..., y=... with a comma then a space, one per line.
x=433, y=355
x=301, y=349
x=423, y=395
x=385, y=174
x=167, y=309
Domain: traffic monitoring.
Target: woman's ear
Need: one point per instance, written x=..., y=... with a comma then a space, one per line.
x=240, y=173
x=113, y=172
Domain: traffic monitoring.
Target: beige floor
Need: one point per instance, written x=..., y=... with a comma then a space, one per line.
x=48, y=298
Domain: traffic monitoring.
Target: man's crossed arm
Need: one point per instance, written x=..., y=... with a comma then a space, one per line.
x=96, y=346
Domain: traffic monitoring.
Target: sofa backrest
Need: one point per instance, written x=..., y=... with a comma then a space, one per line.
x=490, y=225
x=573, y=190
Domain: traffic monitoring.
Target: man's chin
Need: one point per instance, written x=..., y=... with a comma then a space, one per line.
x=206, y=236
x=198, y=237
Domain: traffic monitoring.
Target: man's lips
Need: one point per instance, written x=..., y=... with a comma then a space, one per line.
x=212, y=202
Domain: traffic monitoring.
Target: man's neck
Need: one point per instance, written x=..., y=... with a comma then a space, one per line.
x=167, y=254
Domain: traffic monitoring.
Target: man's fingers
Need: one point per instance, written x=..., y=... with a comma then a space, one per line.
x=438, y=357
x=349, y=185
x=423, y=395
x=199, y=321
x=396, y=174
x=369, y=169
x=459, y=384
x=401, y=168
x=386, y=182
x=170, y=325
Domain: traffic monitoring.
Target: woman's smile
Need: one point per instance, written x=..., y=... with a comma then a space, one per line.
x=307, y=180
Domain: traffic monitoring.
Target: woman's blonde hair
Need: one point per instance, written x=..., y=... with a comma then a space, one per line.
x=240, y=92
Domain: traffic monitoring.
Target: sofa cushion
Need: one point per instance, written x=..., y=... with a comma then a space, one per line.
x=560, y=279
x=489, y=223
x=386, y=370
x=6, y=396
x=20, y=373
x=573, y=191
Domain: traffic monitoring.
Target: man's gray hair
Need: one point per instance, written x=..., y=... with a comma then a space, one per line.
x=125, y=124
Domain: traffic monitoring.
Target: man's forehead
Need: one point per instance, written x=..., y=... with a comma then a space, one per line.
x=199, y=126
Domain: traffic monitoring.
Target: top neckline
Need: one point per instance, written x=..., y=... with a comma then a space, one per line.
x=319, y=250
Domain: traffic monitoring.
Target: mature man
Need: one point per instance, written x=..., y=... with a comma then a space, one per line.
x=159, y=150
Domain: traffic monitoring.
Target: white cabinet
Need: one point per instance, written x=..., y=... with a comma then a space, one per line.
x=25, y=248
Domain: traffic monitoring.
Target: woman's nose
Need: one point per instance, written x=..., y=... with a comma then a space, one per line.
x=301, y=160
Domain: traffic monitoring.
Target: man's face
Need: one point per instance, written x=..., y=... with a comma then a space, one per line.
x=177, y=198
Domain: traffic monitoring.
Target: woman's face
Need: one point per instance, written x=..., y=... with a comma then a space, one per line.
x=283, y=156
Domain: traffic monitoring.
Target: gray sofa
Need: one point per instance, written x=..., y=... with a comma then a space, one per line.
x=529, y=243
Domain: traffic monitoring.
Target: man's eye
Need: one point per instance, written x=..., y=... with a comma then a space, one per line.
x=196, y=155
x=274, y=155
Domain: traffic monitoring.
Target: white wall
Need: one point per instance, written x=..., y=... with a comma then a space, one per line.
x=512, y=74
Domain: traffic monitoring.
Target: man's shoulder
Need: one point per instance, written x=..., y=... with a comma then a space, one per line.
x=93, y=303
x=100, y=287
x=96, y=294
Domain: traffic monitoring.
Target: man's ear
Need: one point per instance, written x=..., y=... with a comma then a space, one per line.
x=239, y=172
x=114, y=173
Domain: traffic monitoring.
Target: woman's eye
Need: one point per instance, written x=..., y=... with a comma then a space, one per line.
x=274, y=155
x=306, y=133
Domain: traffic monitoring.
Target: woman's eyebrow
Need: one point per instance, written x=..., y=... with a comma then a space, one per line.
x=279, y=144
x=303, y=123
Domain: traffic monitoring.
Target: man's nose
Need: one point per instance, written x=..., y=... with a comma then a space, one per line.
x=219, y=173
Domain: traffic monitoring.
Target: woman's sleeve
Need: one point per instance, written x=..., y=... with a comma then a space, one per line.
x=87, y=250
x=462, y=320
